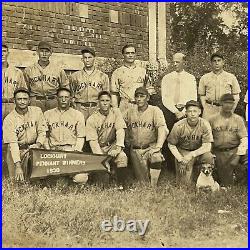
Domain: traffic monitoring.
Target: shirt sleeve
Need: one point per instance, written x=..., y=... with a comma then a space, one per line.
x=207, y=135
x=64, y=81
x=92, y=131
x=42, y=127
x=193, y=90
x=173, y=137
x=114, y=86
x=106, y=84
x=202, y=87
x=159, y=118
x=21, y=81
x=235, y=86
x=242, y=128
x=9, y=133
x=119, y=123
x=80, y=127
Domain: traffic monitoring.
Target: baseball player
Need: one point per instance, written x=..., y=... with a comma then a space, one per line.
x=66, y=127
x=106, y=131
x=87, y=83
x=23, y=128
x=190, y=142
x=216, y=83
x=126, y=79
x=44, y=78
x=146, y=133
x=12, y=78
x=230, y=142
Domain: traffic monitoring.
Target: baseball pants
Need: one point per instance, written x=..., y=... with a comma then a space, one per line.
x=43, y=104
x=226, y=171
x=86, y=111
x=210, y=110
x=191, y=173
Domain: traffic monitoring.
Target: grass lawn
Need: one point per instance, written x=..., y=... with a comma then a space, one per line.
x=71, y=217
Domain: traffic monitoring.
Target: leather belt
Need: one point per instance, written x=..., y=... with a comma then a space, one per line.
x=51, y=97
x=24, y=146
x=141, y=147
x=216, y=103
x=87, y=104
x=187, y=149
x=7, y=100
x=224, y=149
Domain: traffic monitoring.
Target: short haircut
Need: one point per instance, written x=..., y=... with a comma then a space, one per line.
x=180, y=55
x=104, y=92
x=63, y=89
x=128, y=46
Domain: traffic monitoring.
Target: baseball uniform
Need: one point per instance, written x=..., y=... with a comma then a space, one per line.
x=12, y=78
x=124, y=81
x=103, y=129
x=43, y=84
x=24, y=130
x=187, y=139
x=213, y=86
x=86, y=89
x=64, y=127
x=227, y=133
x=142, y=132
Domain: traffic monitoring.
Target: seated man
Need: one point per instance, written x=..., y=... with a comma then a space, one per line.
x=147, y=131
x=190, y=143
x=66, y=127
x=23, y=128
x=106, y=132
x=230, y=142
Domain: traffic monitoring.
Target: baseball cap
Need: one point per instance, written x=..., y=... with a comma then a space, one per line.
x=141, y=90
x=217, y=54
x=192, y=103
x=89, y=50
x=227, y=97
x=44, y=45
x=21, y=89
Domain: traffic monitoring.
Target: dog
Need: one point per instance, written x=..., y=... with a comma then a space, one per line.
x=205, y=181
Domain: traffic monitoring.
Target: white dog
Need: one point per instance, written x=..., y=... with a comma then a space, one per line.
x=205, y=180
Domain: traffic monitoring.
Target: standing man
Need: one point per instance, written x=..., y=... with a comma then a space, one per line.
x=147, y=131
x=66, y=127
x=12, y=78
x=106, y=131
x=88, y=83
x=23, y=128
x=44, y=78
x=215, y=84
x=230, y=142
x=190, y=143
x=126, y=79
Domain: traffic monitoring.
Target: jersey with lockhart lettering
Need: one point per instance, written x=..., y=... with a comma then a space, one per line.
x=227, y=132
x=142, y=127
x=103, y=128
x=12, y=78
x=25, y=129
x=190, y=138
x=45, y=81
x=64, y=127
x=87, y=87
x=125, y=80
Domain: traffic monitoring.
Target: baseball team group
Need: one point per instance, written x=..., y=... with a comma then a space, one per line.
x=43, y=107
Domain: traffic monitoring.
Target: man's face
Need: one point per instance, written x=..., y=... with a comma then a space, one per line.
x=227, y=106
x=178, y=63
x=141, y=100
x=44, y=54
x=5, y=53
x=129, y=55
x=193, y=113
x=88, y=60
x=22, y=100
x=217, y=63
x=104, y=102
x=63, y=99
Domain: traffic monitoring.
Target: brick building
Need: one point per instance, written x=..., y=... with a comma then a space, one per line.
x=70, y=25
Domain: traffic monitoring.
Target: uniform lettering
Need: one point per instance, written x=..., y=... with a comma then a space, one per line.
x=84, y=85
x=25, y=126
x=141, y=124
x=44, y=78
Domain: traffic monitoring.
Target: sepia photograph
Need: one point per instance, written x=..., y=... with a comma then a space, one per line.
x=125, y=124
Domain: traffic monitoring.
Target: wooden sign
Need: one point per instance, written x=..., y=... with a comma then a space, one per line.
x=50, y=162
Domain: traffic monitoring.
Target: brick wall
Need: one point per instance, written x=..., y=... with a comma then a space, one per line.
x=68, y=26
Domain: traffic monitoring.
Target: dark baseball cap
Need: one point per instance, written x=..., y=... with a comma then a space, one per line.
x=141, y=90
x=21, y=89
x=88, y=50
x=227, y=98
x=217, y=54
x=44, y=45
x=192, y=103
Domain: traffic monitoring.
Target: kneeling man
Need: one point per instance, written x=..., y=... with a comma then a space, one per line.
x=190, y=142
